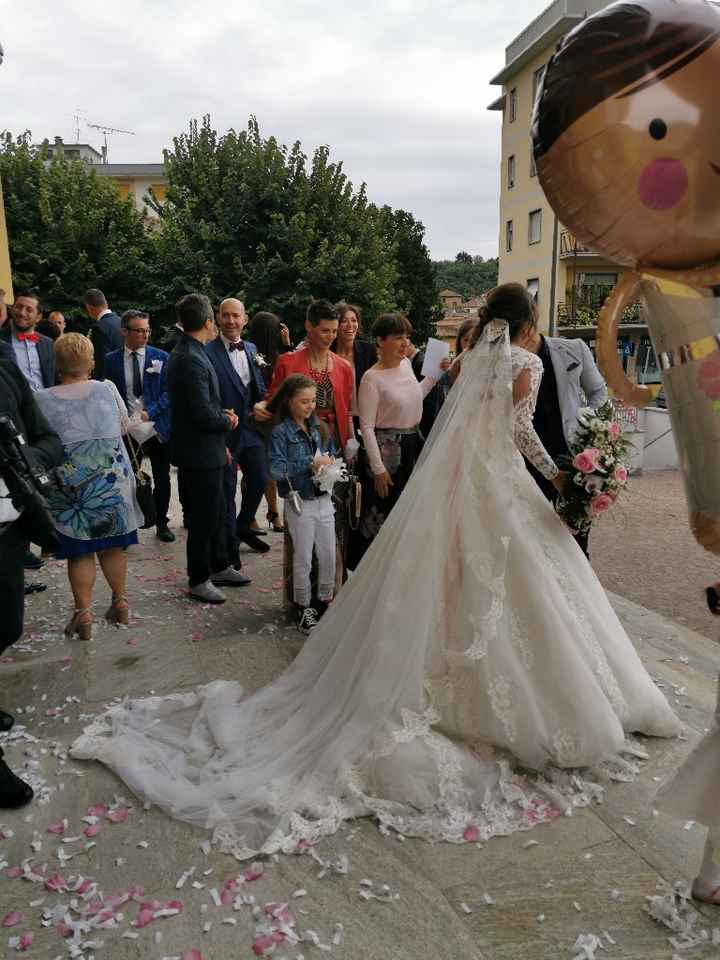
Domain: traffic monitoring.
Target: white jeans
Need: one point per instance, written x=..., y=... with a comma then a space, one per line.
x=315, y=527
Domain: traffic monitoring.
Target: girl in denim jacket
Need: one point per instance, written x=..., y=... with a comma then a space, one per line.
x=299, y=446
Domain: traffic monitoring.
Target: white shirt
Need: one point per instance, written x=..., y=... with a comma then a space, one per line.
x=135, y=404
x=106, y=310
x=238, y=360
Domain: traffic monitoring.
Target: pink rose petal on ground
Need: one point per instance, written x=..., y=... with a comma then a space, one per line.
x=118, y=816
x=254, y=872
x=13, y=873
x=266, y=944
x=143, y=918
x=193, y=954
x=99, y=810
x=56, y=882
x=25, y=942
x=12, y=919
x=57, y=827
x=92, y=831
x=471, y=834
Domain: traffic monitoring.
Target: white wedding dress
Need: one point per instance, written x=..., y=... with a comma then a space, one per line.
x=473, y=638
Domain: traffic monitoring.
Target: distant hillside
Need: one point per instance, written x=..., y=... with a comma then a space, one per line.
x=469, y=277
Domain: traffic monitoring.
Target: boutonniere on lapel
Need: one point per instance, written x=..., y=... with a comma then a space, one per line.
x=260, y=360
x=155, y=366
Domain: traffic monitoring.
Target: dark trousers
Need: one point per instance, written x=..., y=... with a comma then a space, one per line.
x=203, y=500
x=551, y=494
x=13, y=544
x=158, y=454
x=253, y=463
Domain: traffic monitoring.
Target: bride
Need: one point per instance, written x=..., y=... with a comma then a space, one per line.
x=473, y=639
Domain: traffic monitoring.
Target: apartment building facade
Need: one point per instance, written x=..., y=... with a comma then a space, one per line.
x=568, y=281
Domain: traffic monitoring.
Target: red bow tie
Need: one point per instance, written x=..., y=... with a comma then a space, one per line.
x=29, y=337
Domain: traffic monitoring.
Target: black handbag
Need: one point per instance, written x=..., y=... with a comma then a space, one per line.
x=143, y=490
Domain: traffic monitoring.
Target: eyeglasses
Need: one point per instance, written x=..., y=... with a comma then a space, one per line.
x=138, y=330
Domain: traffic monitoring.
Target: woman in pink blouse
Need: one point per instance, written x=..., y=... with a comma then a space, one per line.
x=390, y=404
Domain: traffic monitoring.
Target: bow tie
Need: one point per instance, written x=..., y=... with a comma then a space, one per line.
x=235, y=346
x=29, y=337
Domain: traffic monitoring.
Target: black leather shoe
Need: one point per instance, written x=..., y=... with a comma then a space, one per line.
x=6, y=722
x=32, y=562
x=252, y=541
x=165, y=534
x=14, y=792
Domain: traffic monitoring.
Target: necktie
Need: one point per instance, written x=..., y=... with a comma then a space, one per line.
x=235, y=346
x=28, y=337
x=137, y=382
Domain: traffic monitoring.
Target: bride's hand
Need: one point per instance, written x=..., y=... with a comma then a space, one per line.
x=383, y=482
x=559, y=481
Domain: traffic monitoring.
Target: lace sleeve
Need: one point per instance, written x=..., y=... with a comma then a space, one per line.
x=525, y=391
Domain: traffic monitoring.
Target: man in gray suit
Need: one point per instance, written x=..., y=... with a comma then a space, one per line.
x=105, y=332
x=569, y=372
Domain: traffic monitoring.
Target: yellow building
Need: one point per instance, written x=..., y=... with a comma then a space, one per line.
x=5, y=275
x=569, y=281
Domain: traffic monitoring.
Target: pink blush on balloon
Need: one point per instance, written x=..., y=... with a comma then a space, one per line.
x=663, y=183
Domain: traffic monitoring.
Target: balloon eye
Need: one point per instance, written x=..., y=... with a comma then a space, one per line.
x=658, y=129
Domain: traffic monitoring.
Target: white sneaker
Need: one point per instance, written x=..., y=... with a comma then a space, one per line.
x=230, y=577
x=207, y=593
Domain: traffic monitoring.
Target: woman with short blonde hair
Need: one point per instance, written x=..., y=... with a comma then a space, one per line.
x=94, y=504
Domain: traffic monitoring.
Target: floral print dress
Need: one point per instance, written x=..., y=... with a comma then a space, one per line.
x=93, y=502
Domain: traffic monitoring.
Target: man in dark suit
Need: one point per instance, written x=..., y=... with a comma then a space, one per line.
x=172, y=338
x=139, y=372
x=200, y=430
x=33, y=353
x=105, y=332
x=241, y=387
x=44, y=450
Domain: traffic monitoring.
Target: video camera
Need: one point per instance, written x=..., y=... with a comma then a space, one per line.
x=29, y=486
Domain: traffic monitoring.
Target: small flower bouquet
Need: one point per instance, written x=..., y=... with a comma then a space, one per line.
x=260, y=360
x=330, y=474
x=597, y=468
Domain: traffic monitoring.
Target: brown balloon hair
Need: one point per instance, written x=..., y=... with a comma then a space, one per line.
x=625, y=47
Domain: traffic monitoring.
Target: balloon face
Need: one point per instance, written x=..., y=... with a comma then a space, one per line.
x=627, y=133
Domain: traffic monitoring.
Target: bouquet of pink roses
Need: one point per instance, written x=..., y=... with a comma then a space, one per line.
x=597, y=468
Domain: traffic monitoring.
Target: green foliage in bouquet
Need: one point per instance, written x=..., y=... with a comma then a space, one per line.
x=596, y=467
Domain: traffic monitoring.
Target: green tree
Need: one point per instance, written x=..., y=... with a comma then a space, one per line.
x=245, y=215
x=463, y=257
x=70, y=230
x=468, y=278
x=415, y=292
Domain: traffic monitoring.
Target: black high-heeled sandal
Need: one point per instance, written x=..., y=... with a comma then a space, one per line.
x=272, y=517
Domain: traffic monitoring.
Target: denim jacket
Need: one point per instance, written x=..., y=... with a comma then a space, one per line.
x=291, y=454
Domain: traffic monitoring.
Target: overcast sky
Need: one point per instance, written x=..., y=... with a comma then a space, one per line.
x=398, y=89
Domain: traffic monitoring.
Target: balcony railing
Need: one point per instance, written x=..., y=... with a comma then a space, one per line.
x=570, y=246
x=585, y=313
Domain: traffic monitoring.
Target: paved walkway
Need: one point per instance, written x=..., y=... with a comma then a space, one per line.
x=505, y=900
x=643, y=550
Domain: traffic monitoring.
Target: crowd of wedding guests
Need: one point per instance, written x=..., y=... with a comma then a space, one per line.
x=225, y=397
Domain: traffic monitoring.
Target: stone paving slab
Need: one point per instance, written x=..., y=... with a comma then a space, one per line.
x=173, y=645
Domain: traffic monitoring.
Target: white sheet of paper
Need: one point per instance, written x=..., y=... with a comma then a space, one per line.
x=141, y=430
x=435, y=352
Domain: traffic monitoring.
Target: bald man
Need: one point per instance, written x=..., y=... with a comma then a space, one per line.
x=241, y=386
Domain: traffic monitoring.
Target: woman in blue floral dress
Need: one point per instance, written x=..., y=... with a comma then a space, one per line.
x=94, y=503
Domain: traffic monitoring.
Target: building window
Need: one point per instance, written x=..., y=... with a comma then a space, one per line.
x=533, y=168
x=513, y=105
x=159, y=190
x=509, y=236
x=511, y=172
x=535, y=226
x=533, y=287
x=537, y=80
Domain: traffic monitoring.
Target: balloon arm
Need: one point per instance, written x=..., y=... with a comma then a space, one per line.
x=622, y=295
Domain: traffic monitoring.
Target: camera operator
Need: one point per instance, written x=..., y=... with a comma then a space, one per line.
x=43, y=450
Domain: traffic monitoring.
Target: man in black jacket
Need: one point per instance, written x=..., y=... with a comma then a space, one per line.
x=105, y=332
x=44, y=450
x=199, y=429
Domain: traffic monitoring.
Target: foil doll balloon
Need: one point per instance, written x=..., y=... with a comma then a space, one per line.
x=626, y=135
